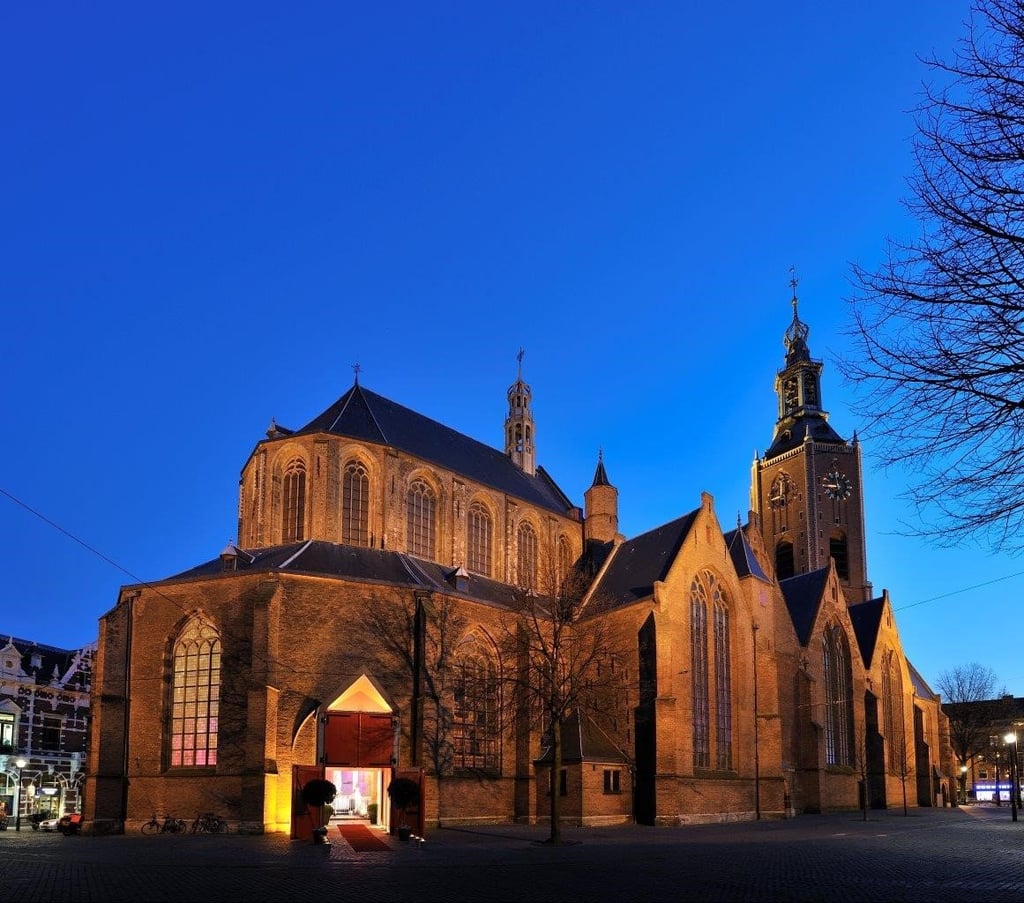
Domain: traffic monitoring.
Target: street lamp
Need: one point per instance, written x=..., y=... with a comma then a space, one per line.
x=20, y=763
x=1011, y=741
x=963, y=785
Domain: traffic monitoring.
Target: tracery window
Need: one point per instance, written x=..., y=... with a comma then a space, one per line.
x=420, y=525
x=699, y=672
x=355, y=505
x=195, y=696
x=526, y=545
x=475, y=737
x=294, y=507
x=892, y=716
x=565, y=559
x=479, y=539
x=723, y=685
x=838, y=701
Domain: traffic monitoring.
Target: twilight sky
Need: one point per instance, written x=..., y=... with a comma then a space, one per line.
x=211, y=211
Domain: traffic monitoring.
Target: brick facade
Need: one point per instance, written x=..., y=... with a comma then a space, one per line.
x=724, y=710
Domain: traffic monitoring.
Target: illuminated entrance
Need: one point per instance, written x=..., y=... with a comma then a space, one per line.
x=356, y=740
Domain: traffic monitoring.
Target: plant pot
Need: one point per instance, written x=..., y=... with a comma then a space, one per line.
x=371, y=812
x=404, y=832
x=320, y=835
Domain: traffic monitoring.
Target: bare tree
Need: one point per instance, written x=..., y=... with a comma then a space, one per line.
x=414, y=641
x=904, y=765
x=938, y=327
x=558, y=662
x=972, y=705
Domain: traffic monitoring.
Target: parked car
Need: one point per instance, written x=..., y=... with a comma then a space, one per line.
x=47, y=824
x=70, y=824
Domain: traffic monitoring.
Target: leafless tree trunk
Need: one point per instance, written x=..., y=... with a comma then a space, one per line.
x=567, y=664
x=938, y=327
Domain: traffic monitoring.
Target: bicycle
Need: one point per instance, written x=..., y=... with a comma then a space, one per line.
x=170, y=825
x=208, y=823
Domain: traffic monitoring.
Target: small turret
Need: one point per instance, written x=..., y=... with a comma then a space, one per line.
x=601, y=507
x=519, y=432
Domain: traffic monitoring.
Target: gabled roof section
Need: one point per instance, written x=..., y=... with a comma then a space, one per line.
x=637, y=564
x=803, y=595
x=584, y=741
x=743, y=558
x=343, y=562
x=866, y=618
x=369, y=417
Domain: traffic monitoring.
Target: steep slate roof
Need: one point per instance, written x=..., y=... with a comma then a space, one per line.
x=638, y=563
x=328, y=559
x=792, y=435
x=367, y=416
x=921, y=687
x=584, y=741
x=743, y=558
x=803, y=599
x=866, y=618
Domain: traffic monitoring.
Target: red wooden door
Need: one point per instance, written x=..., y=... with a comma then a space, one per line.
x=302, y=817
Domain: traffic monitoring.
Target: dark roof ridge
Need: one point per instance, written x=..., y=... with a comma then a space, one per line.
x=351, y=394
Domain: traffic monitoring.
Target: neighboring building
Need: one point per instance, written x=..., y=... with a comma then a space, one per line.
x=44, y=720
x=760, y=677
x=983, y=759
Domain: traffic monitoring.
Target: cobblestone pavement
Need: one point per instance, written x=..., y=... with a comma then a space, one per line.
x=975, y=854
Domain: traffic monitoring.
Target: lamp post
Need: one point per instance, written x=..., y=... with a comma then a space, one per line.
x=963, y=785
x=1011, y=742
x=19, y=763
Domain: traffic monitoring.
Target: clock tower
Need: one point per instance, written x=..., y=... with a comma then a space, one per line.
x=807, y=488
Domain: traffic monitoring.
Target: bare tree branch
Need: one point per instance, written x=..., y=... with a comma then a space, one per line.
x=938, y=328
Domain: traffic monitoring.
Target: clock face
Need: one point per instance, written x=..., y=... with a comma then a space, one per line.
x=837, y=485
x=780, y=491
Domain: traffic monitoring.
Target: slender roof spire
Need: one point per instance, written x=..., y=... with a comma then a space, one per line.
x=355, y=369
x=795, y=338
x=600, y=476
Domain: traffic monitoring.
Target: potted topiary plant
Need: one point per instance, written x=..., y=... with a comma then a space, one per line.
x=318, y=794
x=404, y=792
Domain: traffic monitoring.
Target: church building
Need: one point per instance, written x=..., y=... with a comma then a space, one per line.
x=358, y=631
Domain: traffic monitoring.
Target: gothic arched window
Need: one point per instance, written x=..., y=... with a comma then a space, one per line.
x=526, y=546
x=892, y=716
x=723, y=683
x=479, y=537
x=293, y=510
x=475, y=735
x=195, y=696
x=422, y=514
x=699, y=672
x=838, y=699
x=565, y=559
x=355, y=505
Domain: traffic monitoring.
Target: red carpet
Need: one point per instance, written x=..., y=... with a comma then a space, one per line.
x=362, y=839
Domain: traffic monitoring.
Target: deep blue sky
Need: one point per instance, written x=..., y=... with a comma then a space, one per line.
x=211, y=211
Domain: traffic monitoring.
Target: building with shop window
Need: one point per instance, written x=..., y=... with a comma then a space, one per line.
x=44, y=720
x=379, y=554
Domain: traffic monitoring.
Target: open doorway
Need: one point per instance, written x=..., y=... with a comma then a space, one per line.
x=360, y=792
